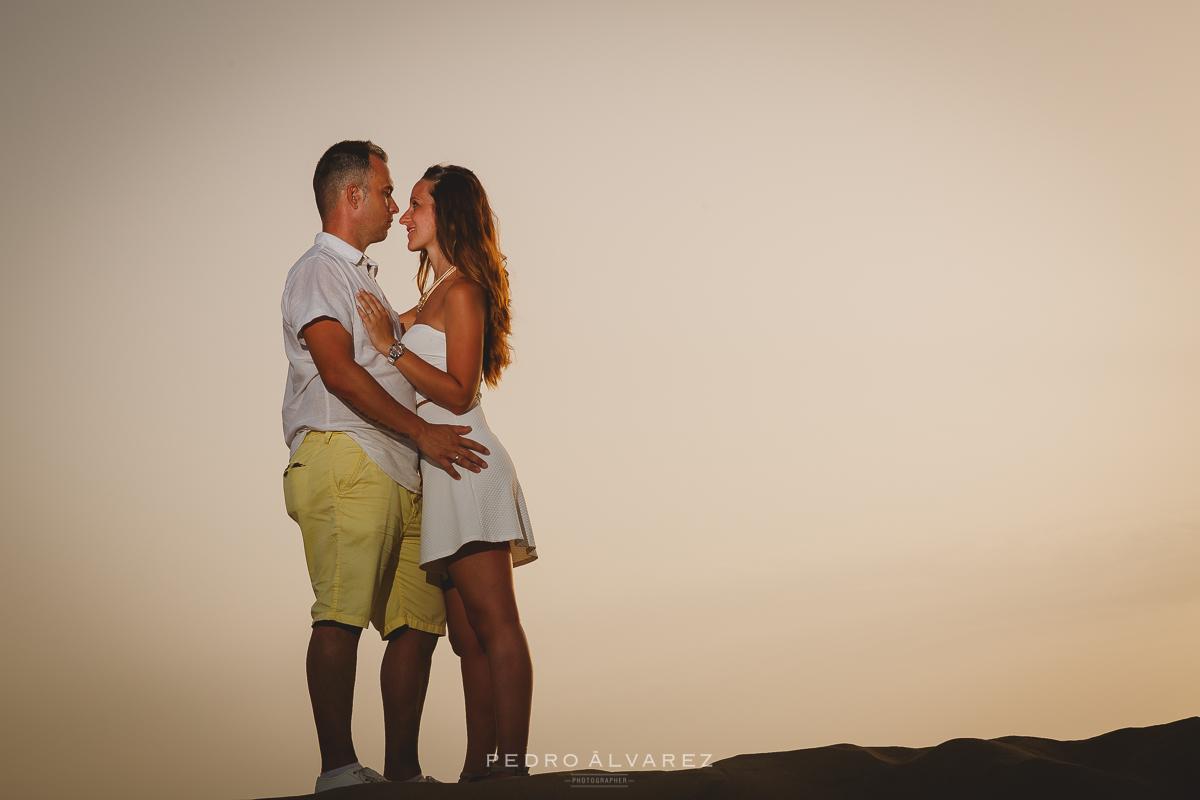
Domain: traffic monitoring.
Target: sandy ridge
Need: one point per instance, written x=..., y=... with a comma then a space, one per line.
x=1161, y=761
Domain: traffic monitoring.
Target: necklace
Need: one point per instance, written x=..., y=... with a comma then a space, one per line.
x=425, y=294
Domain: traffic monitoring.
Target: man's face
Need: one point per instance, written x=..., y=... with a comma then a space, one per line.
x=378, y=207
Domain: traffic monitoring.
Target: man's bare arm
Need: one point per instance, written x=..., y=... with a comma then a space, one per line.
x=332, y=349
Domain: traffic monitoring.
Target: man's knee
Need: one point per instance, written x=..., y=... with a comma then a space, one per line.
x=354, y=630
x=328, y=635
x=420, y=644
x=333, y=645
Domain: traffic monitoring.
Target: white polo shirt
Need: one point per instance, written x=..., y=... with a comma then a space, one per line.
x=323, y=284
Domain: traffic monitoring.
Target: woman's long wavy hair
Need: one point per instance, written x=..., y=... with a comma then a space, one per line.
x=466, y=235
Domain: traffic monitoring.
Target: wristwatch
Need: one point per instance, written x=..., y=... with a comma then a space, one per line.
x=394, y=352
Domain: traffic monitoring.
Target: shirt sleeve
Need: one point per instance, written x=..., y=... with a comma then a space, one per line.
x=317, y=291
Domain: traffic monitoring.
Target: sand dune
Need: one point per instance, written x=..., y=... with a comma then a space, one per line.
x=1162, y=761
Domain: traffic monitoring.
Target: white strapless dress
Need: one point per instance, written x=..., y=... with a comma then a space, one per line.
x=483, y=507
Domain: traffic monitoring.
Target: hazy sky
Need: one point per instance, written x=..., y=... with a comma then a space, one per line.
x=858, y=367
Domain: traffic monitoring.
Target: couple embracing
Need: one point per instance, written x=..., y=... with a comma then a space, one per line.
x=407, y=523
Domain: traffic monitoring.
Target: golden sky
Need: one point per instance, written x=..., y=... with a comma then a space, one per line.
x=858, y=367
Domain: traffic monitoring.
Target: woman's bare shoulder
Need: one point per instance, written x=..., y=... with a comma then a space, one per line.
x=464, y=290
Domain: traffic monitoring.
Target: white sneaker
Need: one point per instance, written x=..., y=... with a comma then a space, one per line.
x=349, y=778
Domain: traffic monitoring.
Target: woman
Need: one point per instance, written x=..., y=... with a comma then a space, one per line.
x=474, y=530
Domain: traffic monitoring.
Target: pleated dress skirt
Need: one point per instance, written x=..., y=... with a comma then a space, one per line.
x=481, y=507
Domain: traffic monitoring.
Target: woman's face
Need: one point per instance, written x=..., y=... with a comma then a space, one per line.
x=420, y=220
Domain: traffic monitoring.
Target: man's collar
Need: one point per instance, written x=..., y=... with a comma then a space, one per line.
x=347, y=251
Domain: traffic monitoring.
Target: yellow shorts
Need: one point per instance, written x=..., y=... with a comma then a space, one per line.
x=362, y=539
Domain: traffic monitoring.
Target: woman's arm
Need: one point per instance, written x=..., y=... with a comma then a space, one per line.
x=464, y=309
x=407, y=319
x=332, y=350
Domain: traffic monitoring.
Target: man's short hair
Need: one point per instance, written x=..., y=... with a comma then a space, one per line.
x=343, y=164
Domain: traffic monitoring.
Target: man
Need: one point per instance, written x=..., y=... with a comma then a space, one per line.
x=352, y=484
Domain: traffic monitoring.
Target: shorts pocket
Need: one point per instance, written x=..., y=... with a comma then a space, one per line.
x=347, y=464
x=295, y=485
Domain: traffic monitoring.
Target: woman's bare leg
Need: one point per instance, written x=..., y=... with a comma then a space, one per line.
x=482, y=574
x=477, y=684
